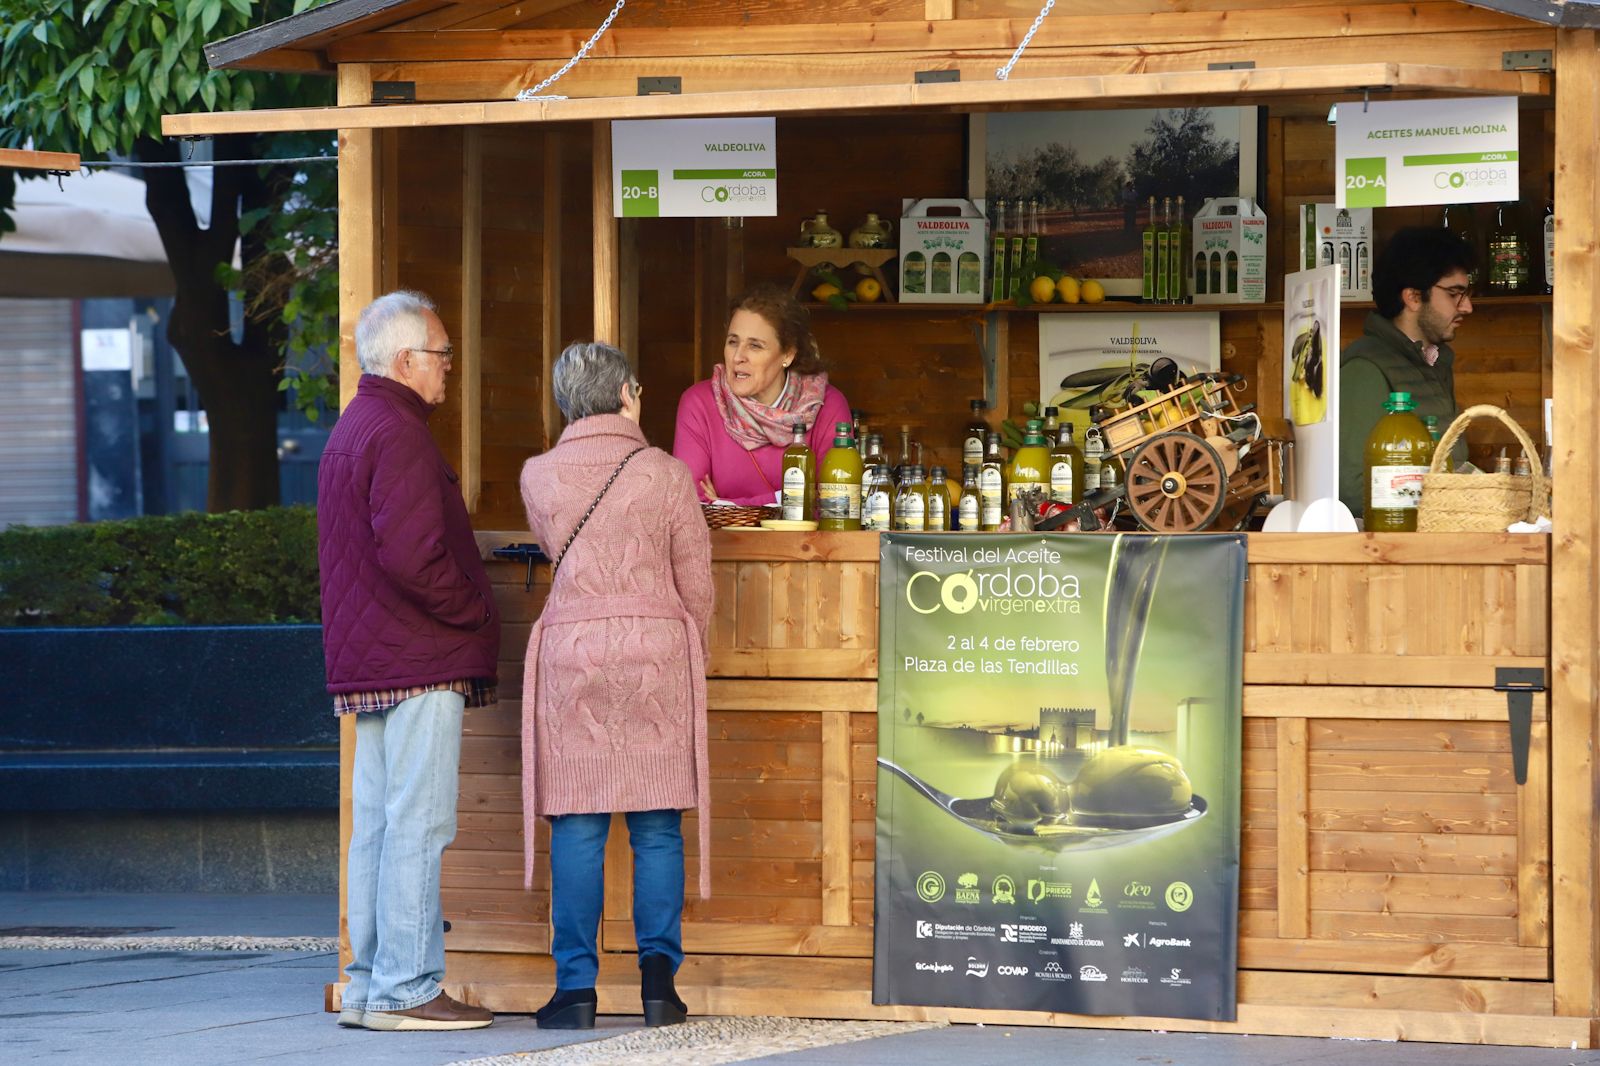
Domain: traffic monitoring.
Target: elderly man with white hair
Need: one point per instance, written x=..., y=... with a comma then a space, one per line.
x=411, y=635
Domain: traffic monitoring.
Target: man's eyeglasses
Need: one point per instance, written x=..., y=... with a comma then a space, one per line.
x=448, y=352
x=1459, y=294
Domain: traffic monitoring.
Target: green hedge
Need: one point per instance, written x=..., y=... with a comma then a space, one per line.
x=240, y=568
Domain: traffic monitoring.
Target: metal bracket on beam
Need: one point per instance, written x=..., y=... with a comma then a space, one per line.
x=933, y=77
x=517, y=553
x=1243, y=64
x=1519, y=684
x=666, y=85
x=394, y=92
x=1535, y=60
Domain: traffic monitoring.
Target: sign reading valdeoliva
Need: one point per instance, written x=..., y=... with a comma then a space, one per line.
x=1407, y=152
x=694, y=168
x=1058, y=782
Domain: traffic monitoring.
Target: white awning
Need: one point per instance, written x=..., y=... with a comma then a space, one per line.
x=90, y=236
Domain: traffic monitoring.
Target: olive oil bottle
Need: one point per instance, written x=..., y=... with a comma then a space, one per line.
x=1093, y=452
x=991, y=485
x=1030, y=467
x=799, y=478
x=877, y=489
x=938, y=499
x=1163, y=251
x=972, y=436
x=1148, y=249
x=1066, y=468
x=997, y=256
x=1399, y=450
x=911, y=502
x=966, y=509
x=839, y=483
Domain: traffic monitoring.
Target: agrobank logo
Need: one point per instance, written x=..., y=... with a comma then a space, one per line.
x=1001, y=591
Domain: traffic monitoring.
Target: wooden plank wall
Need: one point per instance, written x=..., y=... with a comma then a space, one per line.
x=1382, y=831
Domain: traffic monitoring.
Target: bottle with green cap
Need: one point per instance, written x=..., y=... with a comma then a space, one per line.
x=839, y=483
x=1030, y=466
x=1399, y=450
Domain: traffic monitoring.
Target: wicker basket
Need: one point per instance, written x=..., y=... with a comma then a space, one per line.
x=1480, y=503
x=723, y=516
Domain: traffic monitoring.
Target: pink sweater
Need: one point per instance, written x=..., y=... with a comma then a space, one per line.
x=705, y=447
x=614, y=683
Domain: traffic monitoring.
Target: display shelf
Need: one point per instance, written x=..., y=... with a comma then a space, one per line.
x=1524, y=299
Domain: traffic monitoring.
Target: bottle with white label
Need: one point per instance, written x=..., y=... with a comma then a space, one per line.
x=877, y=497
x=991, y=485
x=972, y=437
x=1399, y=450
x=1093, y=454
x=966, y=509
x=911, y=502
x=839, y=483
x=1550, y=239
x=799, y=478
x=1066, y=467
x=938, y=500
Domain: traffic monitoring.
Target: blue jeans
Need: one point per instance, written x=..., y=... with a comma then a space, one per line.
x=577, y=889
x=403, y=814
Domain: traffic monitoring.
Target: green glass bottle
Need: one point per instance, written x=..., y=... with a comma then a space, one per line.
x=1030, y=467
x=1148, y=247
x=1399, y=450
x=1164, y=253
x=997, y=255
x=799, y=478
x=839, y=483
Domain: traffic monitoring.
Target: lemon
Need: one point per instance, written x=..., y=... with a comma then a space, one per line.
x=825, y=290
x=1067, y=289
x=1043, y=290
x=868, y=290
x=1093, y=292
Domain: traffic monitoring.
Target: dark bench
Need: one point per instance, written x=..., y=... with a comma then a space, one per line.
x=166, y=718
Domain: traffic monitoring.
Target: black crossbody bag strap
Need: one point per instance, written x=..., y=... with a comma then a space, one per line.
x=556, y=562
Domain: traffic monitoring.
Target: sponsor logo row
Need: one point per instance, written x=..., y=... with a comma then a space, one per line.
x=1174, y=977
x=1133, y=895
x=1022, y=933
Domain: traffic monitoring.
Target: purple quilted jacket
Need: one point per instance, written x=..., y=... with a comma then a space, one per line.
x=405, y=599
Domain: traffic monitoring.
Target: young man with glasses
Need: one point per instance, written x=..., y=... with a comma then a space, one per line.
x=1421, y=288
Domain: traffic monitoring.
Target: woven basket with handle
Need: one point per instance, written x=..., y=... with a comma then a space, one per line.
x=1480, y=503
x=724, y=516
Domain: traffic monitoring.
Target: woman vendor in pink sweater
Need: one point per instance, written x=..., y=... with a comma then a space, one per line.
x=732, y=430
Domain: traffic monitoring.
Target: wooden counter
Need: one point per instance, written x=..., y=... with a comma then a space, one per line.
x=1395, y=878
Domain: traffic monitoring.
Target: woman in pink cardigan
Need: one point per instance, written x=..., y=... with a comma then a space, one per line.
x=614, y=690
x=732, y=430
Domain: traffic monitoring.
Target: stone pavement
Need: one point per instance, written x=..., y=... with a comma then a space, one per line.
x=256, y=996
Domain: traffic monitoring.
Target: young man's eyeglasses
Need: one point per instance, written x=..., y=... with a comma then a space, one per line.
x=1459, y=294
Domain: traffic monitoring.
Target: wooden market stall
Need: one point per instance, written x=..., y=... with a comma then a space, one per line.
x=1399, y=881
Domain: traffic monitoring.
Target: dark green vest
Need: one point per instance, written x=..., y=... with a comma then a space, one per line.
x=1432, y=388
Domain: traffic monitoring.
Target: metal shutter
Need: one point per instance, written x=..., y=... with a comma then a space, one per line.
x=38, y=414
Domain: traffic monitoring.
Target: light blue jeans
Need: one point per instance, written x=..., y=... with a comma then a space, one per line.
x=577, y=889
x=403, y=814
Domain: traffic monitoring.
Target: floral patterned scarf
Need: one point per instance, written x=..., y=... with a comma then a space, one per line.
x=755, y=425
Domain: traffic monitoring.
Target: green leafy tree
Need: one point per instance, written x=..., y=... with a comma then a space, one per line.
x=1183, y=156
x=95, y=77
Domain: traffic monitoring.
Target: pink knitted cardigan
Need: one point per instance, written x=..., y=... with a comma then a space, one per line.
x=614, y=684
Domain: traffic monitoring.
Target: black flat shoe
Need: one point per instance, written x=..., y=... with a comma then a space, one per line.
x=661, y=1003
x=570, y=1008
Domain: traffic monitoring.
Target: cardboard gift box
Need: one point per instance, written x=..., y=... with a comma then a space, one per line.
x=1230, y=252
x=943, y=248
x=1330, y=234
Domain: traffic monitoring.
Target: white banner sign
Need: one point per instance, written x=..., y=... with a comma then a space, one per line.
x=1406, y=152
x=694, y=168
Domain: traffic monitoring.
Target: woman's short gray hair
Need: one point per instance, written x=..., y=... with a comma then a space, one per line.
x=388, y=324
x=588, y=379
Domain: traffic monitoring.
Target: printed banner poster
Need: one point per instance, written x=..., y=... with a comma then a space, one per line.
x=1058, y=773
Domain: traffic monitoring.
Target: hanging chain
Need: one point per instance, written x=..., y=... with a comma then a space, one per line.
x=1005, y=72
x=533, y=93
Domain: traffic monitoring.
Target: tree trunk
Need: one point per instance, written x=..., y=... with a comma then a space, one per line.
x=237, y=382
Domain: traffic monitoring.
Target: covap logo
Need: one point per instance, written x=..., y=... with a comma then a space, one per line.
x=930, y=886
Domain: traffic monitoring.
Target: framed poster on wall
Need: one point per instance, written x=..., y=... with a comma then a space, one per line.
x=1092, y=174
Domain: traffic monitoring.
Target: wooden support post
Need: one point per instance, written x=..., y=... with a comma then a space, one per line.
x=1294, y=842
x=1533, y=844
x=1574, y=627
x=469, y=345
x=359, y=236
x=550, y=333
x=360, y=248
x=607, y=305
x=389, y=191
x=835, y=817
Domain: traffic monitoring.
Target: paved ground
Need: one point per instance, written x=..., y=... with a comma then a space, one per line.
x=174, y=1007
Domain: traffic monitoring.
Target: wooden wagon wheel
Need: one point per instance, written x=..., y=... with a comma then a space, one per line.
x=1176, y=483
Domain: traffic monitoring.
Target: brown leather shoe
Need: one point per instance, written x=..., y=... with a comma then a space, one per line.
x=440, y=1012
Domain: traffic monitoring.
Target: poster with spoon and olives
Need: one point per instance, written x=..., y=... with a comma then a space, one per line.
x=1058, y=773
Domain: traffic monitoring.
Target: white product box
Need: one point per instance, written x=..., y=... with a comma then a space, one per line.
x=1329, y=235
x=1230, y=252
x=943, y=247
